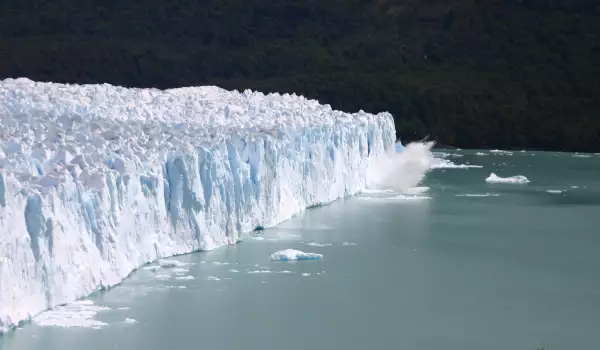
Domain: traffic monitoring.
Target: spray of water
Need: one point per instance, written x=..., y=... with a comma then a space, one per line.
x=402, y=170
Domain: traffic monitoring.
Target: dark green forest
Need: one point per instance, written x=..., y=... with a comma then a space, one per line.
x=506, y=74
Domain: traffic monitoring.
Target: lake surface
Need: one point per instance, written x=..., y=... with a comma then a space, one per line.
x=465, y=265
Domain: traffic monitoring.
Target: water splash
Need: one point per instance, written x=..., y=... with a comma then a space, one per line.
x=402, y=170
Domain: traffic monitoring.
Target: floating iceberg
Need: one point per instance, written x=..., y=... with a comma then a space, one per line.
x=518, y=179
x=98, y=180
x=292, y=254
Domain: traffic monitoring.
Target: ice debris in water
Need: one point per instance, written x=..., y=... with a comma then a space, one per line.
x=76, y=314
x=130, y=320
x=319, y=245
x=170, y=263
x=292, y=254
x=439, y=163
x=518, y=179
x=101, y=179
x=478, y=195
x=184, y=278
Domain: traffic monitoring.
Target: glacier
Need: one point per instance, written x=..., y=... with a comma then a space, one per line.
x=98, y=180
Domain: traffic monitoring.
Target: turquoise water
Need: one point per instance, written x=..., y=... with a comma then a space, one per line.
x=517, y=269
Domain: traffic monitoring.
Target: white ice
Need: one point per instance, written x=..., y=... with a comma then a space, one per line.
x=440, y=163
x=319, y=245
x=478, y=195
x=98, y=180
x=292, y=254
x=518, y=179
x=77, y=314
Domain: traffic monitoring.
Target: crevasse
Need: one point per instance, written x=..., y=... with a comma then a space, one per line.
x=97, y=180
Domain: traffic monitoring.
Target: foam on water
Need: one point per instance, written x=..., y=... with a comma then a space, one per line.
x=98, y=180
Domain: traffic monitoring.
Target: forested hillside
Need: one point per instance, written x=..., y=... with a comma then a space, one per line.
x=468, y=73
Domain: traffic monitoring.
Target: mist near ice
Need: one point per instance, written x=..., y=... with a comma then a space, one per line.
x=403, y=170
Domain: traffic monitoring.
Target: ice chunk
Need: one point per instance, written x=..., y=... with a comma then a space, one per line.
x=292, y=254
x=448, y=164
x=555, y=191
x=501, y=152
x=185, y=278
x=320, y=245
x=130, y=320
x=518, y=179
x=478, y=195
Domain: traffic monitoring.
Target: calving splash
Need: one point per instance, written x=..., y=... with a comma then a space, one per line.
x=98, y=180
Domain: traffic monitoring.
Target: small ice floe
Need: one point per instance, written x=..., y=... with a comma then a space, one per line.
x=130, y=320
x=320, y=245
x=185, y=278
x=555, y=191
x=502, y=152
x=213, y=278
x=518, y=179
x=292, y=254
x=348, y=243
x=478, y=195
x=151, y=267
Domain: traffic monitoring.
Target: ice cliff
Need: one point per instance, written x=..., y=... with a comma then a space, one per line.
x=96, y=180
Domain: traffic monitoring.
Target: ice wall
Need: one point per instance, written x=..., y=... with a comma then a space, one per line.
x=96, y=180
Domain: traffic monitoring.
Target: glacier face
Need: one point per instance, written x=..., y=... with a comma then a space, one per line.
x=97, y=180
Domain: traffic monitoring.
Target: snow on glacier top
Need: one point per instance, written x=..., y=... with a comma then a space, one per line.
x=47, y=128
